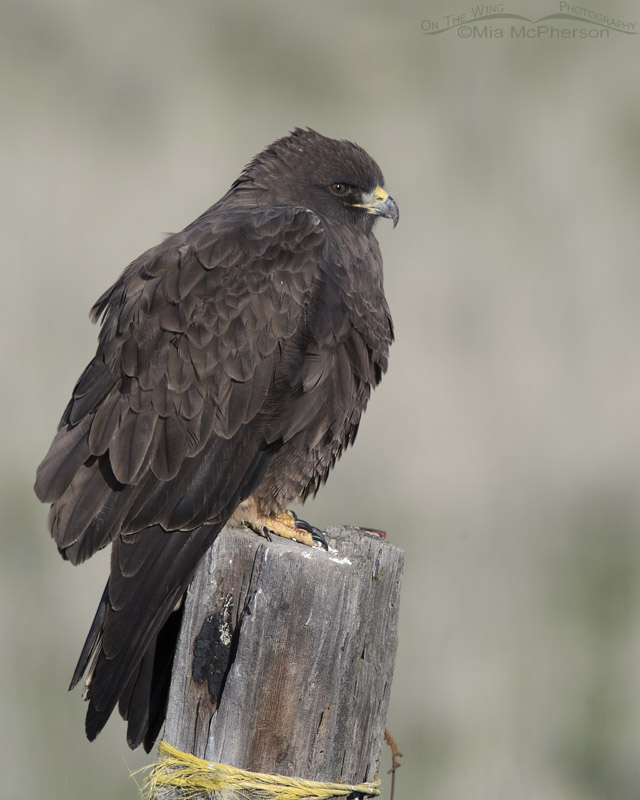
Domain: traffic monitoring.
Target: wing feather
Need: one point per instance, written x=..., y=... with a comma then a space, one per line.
x=170, y=448
x=107, y=420
x=131, y=443
x=68, y=452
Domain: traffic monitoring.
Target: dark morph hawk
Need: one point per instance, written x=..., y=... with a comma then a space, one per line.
x=234, y=362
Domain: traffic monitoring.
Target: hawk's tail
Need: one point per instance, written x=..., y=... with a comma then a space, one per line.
x=133, y=637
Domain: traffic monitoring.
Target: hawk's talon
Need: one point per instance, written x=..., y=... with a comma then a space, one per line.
x=316, y=534
x=266, y=533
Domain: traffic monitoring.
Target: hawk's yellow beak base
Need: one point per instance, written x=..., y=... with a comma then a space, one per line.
x=381, y=204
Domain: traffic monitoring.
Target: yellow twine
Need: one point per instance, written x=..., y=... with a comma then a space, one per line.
x=195, y=776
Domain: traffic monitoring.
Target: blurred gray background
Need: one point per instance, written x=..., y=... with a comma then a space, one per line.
x=502, y=451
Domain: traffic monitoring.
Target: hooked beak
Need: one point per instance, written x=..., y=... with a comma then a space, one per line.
x=381, y=204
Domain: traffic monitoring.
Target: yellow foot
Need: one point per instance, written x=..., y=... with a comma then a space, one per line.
x=290, y=527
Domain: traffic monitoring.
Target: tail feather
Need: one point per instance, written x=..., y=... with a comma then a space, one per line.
x=144, y=701
x=92, y=642
x=132, y=640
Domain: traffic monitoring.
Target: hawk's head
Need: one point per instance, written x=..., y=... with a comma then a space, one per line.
x=335, y=178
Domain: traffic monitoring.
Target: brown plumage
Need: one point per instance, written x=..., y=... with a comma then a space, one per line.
x=234, y=362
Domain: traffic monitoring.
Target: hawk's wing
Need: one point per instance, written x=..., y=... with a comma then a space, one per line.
x=168, y=423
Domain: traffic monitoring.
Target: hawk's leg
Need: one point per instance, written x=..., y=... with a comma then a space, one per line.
x=289, y=526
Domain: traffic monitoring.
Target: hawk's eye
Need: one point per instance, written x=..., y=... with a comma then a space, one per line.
x=339, y=188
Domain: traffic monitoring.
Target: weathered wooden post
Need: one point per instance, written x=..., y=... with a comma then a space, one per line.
x=286, y=656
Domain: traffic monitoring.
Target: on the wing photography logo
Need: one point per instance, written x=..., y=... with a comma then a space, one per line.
x=493, y=22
